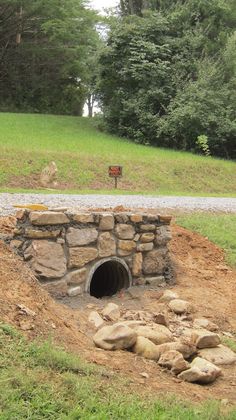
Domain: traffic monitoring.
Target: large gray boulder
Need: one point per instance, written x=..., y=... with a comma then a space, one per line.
x=201, y=371
x=220, y=355
x=115, y=337
x=146, y=348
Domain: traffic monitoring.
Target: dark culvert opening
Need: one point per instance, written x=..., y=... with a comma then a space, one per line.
x=108, y=279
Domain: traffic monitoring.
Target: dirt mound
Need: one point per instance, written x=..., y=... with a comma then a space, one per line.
x=202, y=278
x=24, y=304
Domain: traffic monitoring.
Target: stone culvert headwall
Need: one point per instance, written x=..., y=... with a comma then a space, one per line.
x=97, y=253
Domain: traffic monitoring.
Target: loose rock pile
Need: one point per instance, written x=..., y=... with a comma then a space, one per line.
x=189, y=348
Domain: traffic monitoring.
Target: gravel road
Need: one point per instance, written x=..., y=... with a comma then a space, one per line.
x=213, y=204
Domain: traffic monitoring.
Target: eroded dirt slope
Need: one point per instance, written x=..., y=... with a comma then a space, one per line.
x=202, y=278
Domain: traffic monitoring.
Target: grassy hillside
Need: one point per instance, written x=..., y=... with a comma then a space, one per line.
x=82, y=154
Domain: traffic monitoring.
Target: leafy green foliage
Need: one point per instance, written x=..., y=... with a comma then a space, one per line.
x=169, y=76
x=202, y=143
x=44, y=48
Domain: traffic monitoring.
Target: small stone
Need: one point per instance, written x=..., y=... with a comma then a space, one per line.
x=145, y=247
x=154, y=261
x=144, y=375
x=165, y=219
x=147, y=237
x=163, y=235
x=220, y=355
x=115, y=337
x=106, y=245
x=168, y=295
x=60, y=209
x=57, y=289
x=48, y=218
x=111, y=312
x=15, y=243
x=136, y=218
x=157, y=333
x=24, y=310
x=173, y=360
x=41, y=234
x=106, y=222
x=124, y=231
x=137, y=264
x=95, y=319
x=205, y=323
x=205, y=339
x=136, y=238
x=152, y=218
x=78, y=257
x=145, y=348
x=83, y=218
x=20, y=214
x=160, y=318
x=141, y=281
x=18, y=231
x=121, y=218
x=148, y=227
x=179, y=306
x=78, y=237
x=75, y=291
x=183, y=346
x=126, y=247
x=156, y=281
x=201, y=371
x=76, y=277
x=48, y=175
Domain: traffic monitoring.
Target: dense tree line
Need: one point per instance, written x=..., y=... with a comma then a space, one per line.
x=45, y=47
x=164, y=72
x=168, y=74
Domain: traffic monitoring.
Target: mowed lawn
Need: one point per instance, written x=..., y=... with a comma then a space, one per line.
x=82, y=154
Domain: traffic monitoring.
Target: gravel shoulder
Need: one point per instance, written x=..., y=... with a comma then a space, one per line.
x=212, y=204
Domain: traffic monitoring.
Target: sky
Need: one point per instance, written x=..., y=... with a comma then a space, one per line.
x=101, y=4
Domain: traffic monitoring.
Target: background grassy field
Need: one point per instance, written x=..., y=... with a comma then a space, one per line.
x=82, y=154
x=39, y=381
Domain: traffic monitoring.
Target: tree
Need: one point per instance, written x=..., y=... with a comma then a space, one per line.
x=43, y=54
x=164, y=78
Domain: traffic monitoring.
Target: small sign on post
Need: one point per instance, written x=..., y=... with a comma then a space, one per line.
x=115, y=171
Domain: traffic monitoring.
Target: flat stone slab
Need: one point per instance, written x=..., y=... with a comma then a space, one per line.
x=47, y=258
x=48, y=218
x=220, y=355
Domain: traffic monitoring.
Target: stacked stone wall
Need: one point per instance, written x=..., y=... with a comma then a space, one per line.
x=63, y=248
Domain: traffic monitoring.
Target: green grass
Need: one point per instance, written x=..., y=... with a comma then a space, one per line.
x=82, y=154
x=218, y=228
x=40, y=381
x=230, y=342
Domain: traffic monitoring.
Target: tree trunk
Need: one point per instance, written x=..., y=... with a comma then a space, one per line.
x=18, y=35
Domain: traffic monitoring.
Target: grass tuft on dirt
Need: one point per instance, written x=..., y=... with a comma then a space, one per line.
x=41, y=381
x=29, y=142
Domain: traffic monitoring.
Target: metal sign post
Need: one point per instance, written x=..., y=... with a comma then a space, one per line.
x=115, y=171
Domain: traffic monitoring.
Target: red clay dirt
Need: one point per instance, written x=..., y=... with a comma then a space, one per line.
x=202, y=277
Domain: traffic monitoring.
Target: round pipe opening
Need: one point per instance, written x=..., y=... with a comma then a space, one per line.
x=108, y=278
